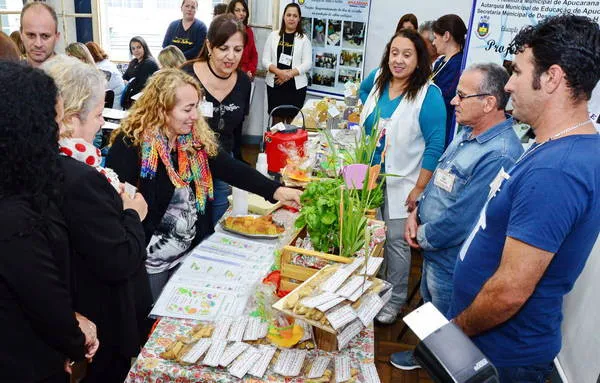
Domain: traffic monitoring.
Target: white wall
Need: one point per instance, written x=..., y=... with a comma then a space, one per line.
x=386, y=13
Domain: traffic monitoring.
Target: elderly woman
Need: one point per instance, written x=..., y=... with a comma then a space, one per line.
x=188, y=33
x=167, y=149
x=226, y=92
x=40, y=330
x=411, y=110
x=104, y=223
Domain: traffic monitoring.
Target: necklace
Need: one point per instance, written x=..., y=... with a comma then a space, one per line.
x=216, y=75
x=535, y=147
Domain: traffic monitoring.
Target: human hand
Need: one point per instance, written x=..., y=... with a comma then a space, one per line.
x=413, y=197
x=410, y=230
x=288, y=196
x=250, y=75
x=138, y=203
x=89, y=330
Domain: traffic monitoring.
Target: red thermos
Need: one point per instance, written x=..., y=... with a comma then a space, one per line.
x=277, y=143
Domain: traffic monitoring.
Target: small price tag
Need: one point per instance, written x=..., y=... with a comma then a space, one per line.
x=232, y=352
x=341, y=317
x=260, y=367
x=372, y=266
x=236, y=331
x=326, y=306
x=319, y=366
x=351, y=286
x=214, y=353
x=369, y=308
x=369, y=372
x=197, y=351
x=318, y=300
x=290, y=362
x=348, y=333
x=242, y=365
x=342, y=369
x=206, y=109
x=360, y=291
x=222, y=328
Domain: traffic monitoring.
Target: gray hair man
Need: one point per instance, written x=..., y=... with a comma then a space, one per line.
x=459, y=187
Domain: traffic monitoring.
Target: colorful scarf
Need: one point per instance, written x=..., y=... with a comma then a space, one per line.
x=83, y=151
x=192, y=162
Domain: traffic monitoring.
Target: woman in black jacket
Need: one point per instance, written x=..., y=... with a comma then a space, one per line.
x=39, y=329
x=171, y=154
x=107, y=238
x=139, y=69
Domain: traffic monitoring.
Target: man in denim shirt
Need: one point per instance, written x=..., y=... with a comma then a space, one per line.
x=460, y=185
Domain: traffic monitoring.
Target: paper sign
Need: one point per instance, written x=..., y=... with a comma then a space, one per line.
x=318, y=300
x=240, y=367
x=369, y=308
x=342, y=369
x=425, y=320
x=197, y=351
x=348, y=333
x=222, y=328
x=290, y=362
x=319, y=366
x=372, y=266
x=232, y=352
x=369, y=372
x=214, y=352
x=236, y=331
x=360, y=291
x=326, y=306
x=260, y=367
x=341, y=317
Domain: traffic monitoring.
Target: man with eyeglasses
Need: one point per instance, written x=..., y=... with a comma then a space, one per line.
x=452, y=200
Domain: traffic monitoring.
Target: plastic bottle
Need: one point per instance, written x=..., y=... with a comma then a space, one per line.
x=261, y=164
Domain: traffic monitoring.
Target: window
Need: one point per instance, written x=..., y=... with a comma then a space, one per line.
x=9, y=20
x=123, y=19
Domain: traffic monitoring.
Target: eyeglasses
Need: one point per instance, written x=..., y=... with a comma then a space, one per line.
x=463, y=96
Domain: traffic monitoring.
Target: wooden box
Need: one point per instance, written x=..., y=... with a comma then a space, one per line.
x=292, y=275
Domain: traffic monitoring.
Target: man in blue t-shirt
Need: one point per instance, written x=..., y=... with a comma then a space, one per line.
x=542, y=217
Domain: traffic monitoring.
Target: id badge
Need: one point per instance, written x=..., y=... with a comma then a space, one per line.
x=206, y=109
x=444, y=180
x=285, y=59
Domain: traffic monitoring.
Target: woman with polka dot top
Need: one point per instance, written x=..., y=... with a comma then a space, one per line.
x=108, y=248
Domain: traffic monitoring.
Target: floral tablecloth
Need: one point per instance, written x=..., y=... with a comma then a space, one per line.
x=149, y=367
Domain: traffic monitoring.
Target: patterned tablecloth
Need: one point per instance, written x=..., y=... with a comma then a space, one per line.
x=149, y=367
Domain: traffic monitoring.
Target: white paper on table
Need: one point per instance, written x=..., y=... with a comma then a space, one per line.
x=214, y=353
x=351, y=286
x=206, y=267
x=317, y=300
x=319, y=366
x=244, y=362
x=372, y=266
x=341, y=316
x=369, y=308
x=260, y=367
x=424, y=320
x=252, y=328
x=222, y=328
x=236, y=331
x=326, y=306
x=197, y=351
x=348, y=333
x=290, y=362
x=114, y=114
x=360, y=291
x=342, y=369
x=369, y=372
x=232, y=352
x=336, y=280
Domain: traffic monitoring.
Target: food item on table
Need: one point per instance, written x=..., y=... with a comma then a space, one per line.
x=306, y=345
x=173, y=350
x=253, y=225
x=201, y=330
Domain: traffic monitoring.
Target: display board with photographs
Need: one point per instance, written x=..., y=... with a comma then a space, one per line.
x=338, y=33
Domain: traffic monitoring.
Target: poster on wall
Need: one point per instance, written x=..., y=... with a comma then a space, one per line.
x=494, y=24
x=338, y=33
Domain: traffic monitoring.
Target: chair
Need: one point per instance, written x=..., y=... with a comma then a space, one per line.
x=109, y=98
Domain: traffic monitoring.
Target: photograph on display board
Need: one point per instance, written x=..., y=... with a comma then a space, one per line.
x=334, y=32
x=325, y=60
x=307, y=25
x=348, y=75
x=353, y=59
x=354, y=35
x=323, y=77
x=318, y=35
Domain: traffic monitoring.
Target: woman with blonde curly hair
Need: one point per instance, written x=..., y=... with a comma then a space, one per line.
x=171, y=154
x=110, y=284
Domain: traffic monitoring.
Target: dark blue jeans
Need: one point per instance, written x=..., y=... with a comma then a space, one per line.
x=536, y=373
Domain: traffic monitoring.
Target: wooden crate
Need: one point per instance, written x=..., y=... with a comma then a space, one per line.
x=292, y=275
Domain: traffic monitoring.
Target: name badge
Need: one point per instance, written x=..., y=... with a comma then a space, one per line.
x=444, y=180
x=497, y=182
x=206, y=109
x=285, y=59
